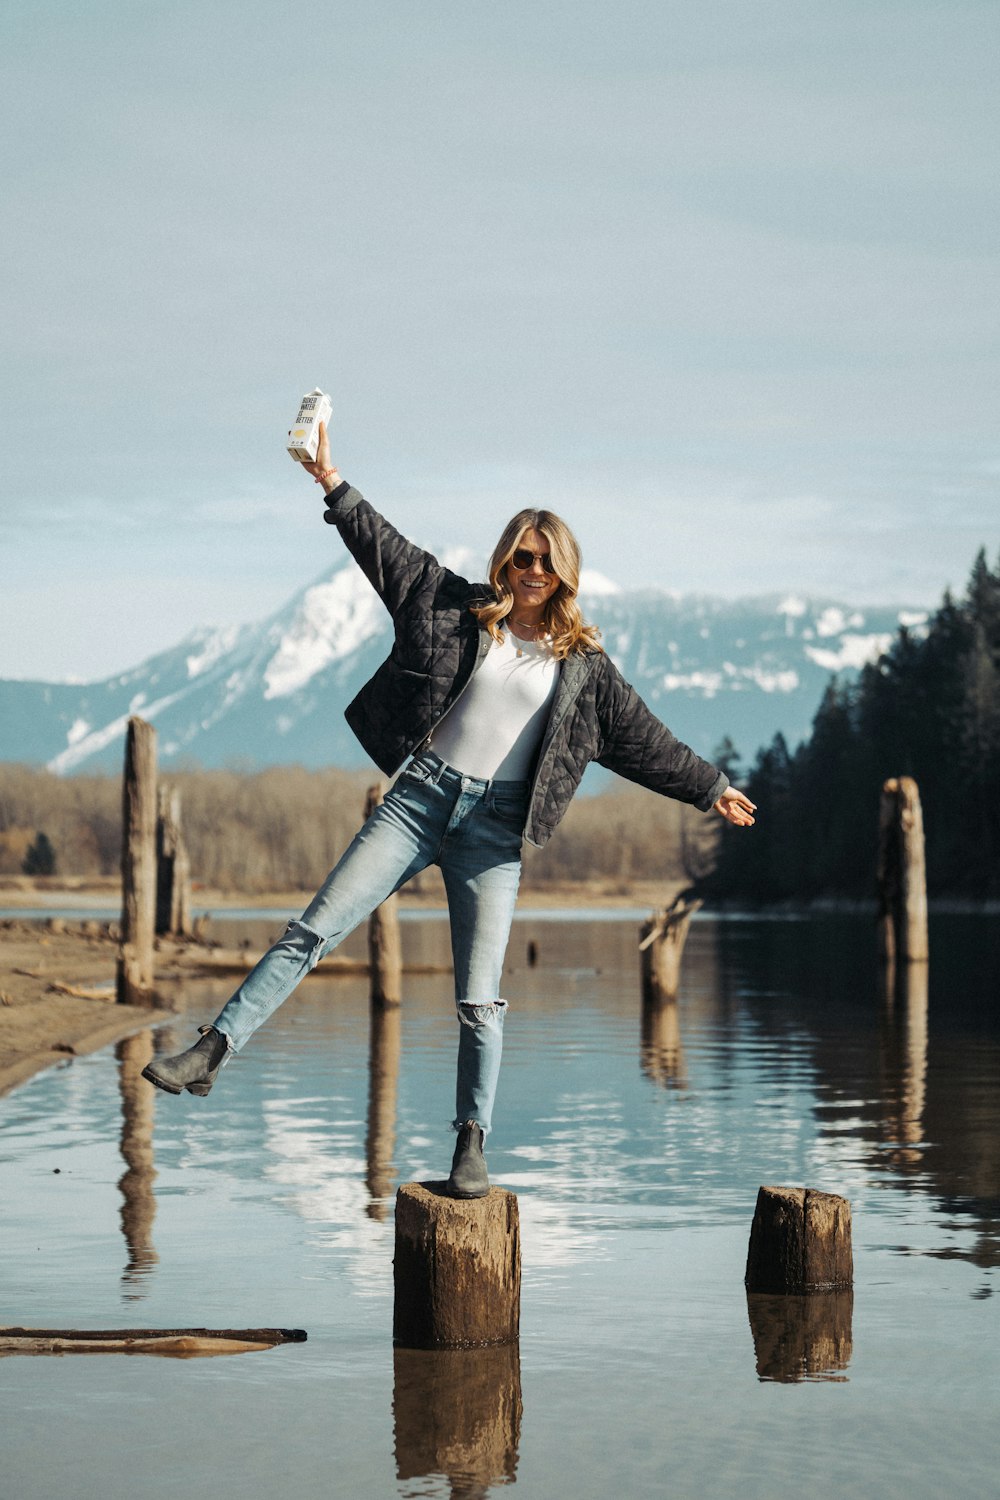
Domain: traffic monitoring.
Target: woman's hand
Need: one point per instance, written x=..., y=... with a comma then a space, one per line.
x=322, y=470
x=736, y=808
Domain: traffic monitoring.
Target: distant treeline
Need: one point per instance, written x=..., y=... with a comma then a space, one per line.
x=282, y=829
x=929, y=708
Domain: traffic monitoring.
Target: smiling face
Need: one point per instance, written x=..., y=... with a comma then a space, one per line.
x=532, y=587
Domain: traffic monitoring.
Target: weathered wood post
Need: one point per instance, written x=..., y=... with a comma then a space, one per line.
x=457, y=1412
x=383, y=1081
x=800, y=1241
x=173, y=868
x=457, y=1268
x=385, y=949
x=902, y=875
x=135, y=961
x=661, y=943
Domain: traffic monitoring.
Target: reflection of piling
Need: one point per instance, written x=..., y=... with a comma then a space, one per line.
x=800, y=1241
x=383, y=1079
x=662, y=1053
x=135, y=962
x=457, y=1412
x=173, y=868
x=904, y=1031
x=136, y=1184
x=902, y=876
x=457, y=1269
x=800, y=1338
x=661, y=943
x=384, y=947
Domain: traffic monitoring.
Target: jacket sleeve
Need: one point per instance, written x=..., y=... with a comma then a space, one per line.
x=394, y=566
x=638, y=746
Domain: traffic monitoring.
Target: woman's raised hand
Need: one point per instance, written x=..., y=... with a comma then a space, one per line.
x=736, y=808
x=322, y=470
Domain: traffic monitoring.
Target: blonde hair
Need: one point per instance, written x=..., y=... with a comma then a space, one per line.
x=562, y=618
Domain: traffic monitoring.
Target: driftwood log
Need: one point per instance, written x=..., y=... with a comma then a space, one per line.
x=457, y=1268
x=180, y=1342
x=800, y=1241
x=385, y=949
x=135, y=962
x=661, y=944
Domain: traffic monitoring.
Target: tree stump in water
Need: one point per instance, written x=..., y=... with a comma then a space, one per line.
x=661, y=943
x=800, y=1241
x=457, y=1268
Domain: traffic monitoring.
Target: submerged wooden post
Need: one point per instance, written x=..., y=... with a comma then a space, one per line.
x=173, y=868
x=661, y=943
x=385, y=950
x=135, y=962
x=902, y=875
x=457, y=1269
x=800, y=1241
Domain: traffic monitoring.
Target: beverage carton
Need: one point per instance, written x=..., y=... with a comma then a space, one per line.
x=303, y=435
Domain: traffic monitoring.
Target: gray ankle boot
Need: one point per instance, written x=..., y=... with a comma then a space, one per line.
x=195, y=1070
x=469, y=1178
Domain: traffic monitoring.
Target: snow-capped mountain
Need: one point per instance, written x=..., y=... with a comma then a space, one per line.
x=274, y=692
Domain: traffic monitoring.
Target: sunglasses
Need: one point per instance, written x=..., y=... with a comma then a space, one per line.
x=523, y=559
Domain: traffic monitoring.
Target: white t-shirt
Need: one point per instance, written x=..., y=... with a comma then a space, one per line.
x=494, y=730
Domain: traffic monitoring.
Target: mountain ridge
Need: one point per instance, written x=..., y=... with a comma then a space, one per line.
x=273, y=691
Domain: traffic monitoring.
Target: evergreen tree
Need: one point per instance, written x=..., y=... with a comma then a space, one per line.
x=40, y=858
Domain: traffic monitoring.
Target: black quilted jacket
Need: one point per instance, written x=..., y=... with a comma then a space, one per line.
x=596, y=715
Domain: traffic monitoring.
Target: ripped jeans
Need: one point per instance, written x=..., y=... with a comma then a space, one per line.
x=433, y=815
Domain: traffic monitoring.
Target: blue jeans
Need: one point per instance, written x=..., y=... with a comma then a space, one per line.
x=433, y=815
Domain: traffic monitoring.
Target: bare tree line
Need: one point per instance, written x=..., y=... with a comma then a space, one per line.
x=283, y=828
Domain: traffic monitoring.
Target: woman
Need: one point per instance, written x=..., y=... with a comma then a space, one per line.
x=494, y=698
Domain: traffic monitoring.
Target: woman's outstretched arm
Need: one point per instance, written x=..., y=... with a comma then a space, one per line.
x=395, y=567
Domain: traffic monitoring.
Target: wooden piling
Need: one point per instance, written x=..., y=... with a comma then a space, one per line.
x=800, y=1241
x=385, y=949
x=902, y=875
x=457, y=1268
x=173, y=868
x=661, y=944
x=135, y=962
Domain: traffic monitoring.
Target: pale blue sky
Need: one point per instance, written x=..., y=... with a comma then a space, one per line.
x=717, y=281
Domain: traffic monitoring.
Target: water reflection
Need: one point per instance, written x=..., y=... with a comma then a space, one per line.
x=903, y=1043
x=138, y=1208
x=801, y=1338
x=661, y=1051
x=457, y=1413
x=383, y=1082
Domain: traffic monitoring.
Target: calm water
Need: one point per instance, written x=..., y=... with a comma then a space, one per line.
x=636, y=1147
